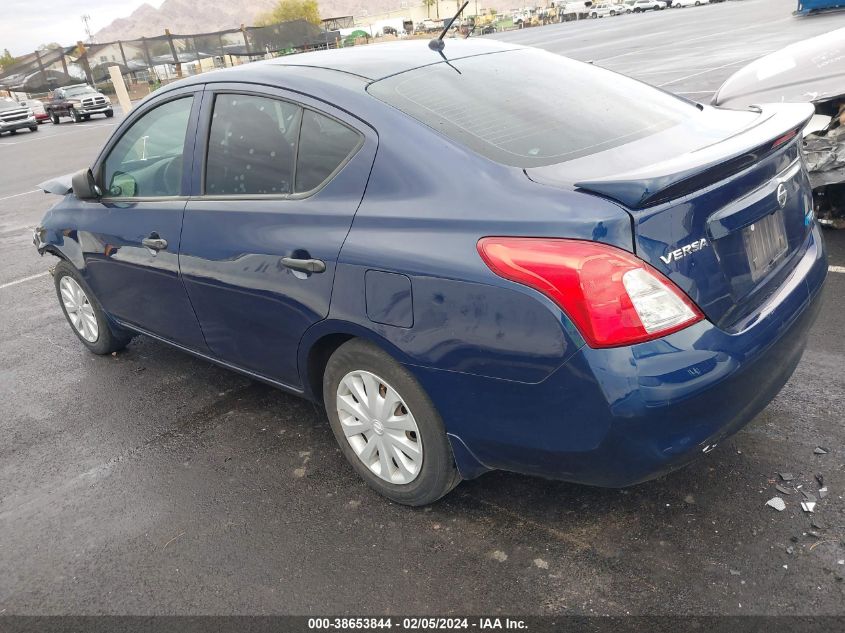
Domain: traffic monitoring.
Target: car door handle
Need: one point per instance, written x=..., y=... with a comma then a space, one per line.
x=304, y=265
x=154, y=243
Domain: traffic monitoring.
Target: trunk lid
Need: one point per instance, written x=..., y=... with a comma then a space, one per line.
x=720, y=204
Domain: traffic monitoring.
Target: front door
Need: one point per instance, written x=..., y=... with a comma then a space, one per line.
x=281, y=183
x=130, y=237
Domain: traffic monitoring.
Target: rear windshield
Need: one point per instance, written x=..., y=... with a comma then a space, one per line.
x=530, y=108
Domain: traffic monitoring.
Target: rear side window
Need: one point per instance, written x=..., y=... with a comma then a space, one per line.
x=530, y=108
x=251, y=145
x=324, y=145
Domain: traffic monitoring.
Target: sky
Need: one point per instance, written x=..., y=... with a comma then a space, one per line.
x=26, y=24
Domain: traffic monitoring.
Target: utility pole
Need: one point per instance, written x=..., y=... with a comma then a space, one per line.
x=86, y=19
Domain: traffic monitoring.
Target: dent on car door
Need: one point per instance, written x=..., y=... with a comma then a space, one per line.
x=130, y=237
x=282, y=181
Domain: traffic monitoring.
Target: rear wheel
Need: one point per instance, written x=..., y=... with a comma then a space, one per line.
x=387, y=426
x=84, y=314
x=54, y=118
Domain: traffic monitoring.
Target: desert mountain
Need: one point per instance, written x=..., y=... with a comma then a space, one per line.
x=201, y=16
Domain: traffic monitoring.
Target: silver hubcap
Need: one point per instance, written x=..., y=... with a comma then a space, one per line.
x=379, y=427
x=80, y=312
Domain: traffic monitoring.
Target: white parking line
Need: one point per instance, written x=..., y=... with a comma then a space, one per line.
x=17, y=195
x=24, y=280
x=836, y=269
x=44, y=137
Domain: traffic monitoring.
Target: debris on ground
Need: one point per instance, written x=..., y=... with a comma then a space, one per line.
x=777, y=503
x=786, y=476
x=539, y=562
x=499, y=556
x=820, y=479
x=820, y=451
x=808, y=506
x=822, y=492
x=734, y=572
x=790, y=550
x=783, y=489
x=817, y=523
x=808, y=496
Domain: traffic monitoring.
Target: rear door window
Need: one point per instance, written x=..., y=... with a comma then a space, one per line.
x=530, y=108
x=324, y=146
x=251, y=146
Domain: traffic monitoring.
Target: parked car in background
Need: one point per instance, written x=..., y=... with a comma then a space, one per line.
x=638, y=6
x=619, y=297
x=602, y=10
x=676, y=4
x=79, y=102
x=14, y=117
x=37, y=107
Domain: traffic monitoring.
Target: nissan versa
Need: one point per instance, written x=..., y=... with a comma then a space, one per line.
x=489, y=258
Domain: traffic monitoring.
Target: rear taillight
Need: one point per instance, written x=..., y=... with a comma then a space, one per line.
x=613, y=297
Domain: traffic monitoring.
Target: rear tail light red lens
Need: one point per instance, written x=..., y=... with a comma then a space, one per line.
x=613, y=297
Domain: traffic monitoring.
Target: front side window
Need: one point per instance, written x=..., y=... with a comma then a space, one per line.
x=251, y=146
x=147, y=160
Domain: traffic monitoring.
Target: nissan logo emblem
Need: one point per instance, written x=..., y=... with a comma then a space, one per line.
x=782, y=195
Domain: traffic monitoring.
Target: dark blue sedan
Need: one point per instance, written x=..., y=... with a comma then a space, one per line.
x=493, y=258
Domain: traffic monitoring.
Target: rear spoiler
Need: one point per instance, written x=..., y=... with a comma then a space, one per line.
x=660, y=182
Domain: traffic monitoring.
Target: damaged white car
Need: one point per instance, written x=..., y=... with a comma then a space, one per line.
x=811, y=71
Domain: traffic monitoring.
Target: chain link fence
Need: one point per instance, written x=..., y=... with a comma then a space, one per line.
x=148, y=62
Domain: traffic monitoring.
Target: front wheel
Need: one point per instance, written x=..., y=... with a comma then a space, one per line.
x=33, y=128
x=75, y=116
x=109, y=114
x=84, y=314
x=387, y=426
x=54, y=118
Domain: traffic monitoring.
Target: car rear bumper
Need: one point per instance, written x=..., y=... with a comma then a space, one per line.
x=616, y=417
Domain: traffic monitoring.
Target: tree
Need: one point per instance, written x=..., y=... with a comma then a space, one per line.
x=288, y=10
x=428, y=4
x=6, y=59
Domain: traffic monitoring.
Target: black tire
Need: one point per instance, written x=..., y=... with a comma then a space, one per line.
x=54, y=118
x=110, y=339
x=33, y=128
x=109, y=114
x=86, y=117
x=438, y=474
x=75, y=116
x=12, y=132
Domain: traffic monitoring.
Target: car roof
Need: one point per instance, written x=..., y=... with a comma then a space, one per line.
x=374, y=62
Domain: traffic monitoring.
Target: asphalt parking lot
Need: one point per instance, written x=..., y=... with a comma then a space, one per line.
x=155, y=483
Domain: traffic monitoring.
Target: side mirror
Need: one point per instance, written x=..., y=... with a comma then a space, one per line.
x=84, y=187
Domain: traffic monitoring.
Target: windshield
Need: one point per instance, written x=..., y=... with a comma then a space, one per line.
x=7, y=104
x=530, y=108
x=74, y=91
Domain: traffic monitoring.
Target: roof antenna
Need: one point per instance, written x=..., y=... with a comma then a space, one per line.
x=437, y=44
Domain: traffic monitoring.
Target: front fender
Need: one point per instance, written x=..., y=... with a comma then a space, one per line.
x=55, y=236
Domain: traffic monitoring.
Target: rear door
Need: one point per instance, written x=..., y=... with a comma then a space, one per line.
x=130, y=237
x=282, y=178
